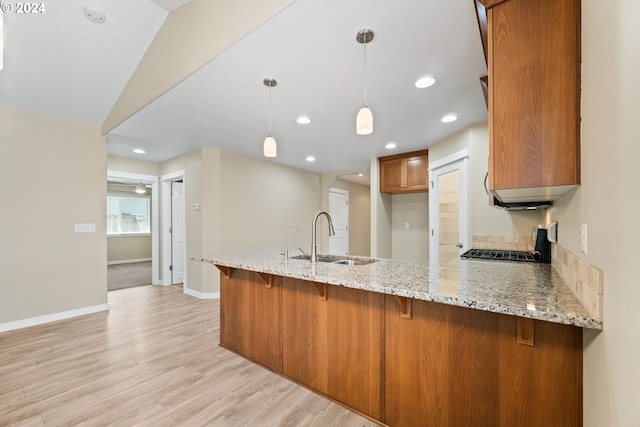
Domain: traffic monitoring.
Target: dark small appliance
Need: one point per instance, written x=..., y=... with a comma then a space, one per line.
x=540, y=254
x=542, y=246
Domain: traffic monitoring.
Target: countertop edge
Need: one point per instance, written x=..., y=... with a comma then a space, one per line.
x=579, y=321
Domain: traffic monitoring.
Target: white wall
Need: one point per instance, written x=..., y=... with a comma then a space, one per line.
x=47, y=268
x=608, y=202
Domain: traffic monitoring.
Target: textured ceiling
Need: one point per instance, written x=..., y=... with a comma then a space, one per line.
x=62, y=64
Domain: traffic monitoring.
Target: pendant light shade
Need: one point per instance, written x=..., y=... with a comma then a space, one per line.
x=364, y=119
x=269, y=147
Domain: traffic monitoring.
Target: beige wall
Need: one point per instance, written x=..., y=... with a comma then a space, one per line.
x=411, y=244
x=259, y=199
x=47, y=267
x=128, y=248
x=196, y=191
x=138, y=166
x=608, y=202
x=245, y=203
x=484, y=219
x=359, y=213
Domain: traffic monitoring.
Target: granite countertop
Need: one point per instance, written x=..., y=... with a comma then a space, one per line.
x=522, y=289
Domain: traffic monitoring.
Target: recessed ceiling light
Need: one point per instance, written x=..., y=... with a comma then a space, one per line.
x=139, y=151
x=310, y=159
x=425, y=81
x=303, y=120
x=360, y=175
x=390, y=146
x=449, y=118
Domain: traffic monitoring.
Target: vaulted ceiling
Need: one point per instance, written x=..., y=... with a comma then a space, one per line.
x=62, y=64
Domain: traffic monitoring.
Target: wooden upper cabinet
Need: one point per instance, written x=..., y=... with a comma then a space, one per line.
x=405, y=173
x=534, y=96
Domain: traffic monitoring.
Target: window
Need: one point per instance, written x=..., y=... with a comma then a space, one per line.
x=128, y=215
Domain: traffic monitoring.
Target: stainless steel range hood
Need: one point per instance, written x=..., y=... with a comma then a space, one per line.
x=521, y=199
x=518, y=206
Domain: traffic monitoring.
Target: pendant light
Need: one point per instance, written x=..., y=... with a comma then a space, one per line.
x=269, y=147
x=364, y=119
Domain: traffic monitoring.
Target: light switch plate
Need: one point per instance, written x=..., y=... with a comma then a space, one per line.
x=583, y=238
x=85, y=228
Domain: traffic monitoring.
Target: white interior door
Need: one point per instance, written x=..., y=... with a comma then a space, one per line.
x=178, y=250
x=339, y=212
x=448, y=208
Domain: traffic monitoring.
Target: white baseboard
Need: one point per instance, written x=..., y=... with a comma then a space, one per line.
x=39, y=320
x=128, y=261
x=202, y=295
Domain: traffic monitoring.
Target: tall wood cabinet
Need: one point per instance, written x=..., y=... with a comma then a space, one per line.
x=405, y=173
x=533, y=57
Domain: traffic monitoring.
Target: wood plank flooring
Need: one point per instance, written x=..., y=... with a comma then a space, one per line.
x=152, y=360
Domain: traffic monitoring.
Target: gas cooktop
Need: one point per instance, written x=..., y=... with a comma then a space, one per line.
x=501, y=255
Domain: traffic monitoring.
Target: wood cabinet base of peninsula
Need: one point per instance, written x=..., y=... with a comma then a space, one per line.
x=454, y=366
x=430, y=365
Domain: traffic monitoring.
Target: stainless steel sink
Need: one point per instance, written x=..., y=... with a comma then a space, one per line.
x=352, y=262
x=337, y=259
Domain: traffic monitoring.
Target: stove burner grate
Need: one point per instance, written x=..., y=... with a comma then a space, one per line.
x=500, y=255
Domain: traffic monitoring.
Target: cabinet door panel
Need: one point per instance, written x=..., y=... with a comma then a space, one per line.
x=335, y=345
x=453, y=366
x=304, y=321
x=354, y=348
x=540, y=385
x=440, y=366
x=417, y=176
x=250, y=318
x=391, y=172
x=534, y=51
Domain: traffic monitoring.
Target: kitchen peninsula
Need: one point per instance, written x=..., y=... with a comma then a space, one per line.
x=405, y=343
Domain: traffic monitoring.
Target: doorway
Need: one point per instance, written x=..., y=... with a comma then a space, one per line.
x=151, y=184
x=448, y=208
x=339, y=212
x=174, y=229
x=178, y=233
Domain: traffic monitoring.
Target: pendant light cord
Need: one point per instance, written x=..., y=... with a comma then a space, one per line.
x=269, y=110
x=365, y=73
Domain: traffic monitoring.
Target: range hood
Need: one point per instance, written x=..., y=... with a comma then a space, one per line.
x=520, y=199
x=518, y=206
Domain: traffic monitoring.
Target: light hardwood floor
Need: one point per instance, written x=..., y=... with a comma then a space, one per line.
x=152, y=360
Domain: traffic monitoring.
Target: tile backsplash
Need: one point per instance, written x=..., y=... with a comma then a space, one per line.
x=584, y=280
x=511, y=243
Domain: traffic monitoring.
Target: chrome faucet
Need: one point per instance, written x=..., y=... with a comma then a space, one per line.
x=286, y=241
x=314, y=253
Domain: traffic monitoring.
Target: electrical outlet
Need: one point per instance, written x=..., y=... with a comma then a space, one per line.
x=583, y=238
x=406, y=225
